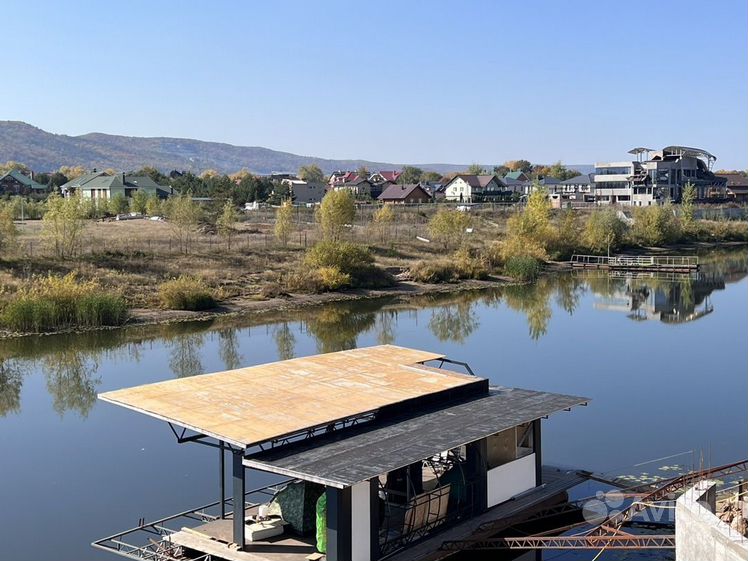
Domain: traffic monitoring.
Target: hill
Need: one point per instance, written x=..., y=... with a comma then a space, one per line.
x=45, y=151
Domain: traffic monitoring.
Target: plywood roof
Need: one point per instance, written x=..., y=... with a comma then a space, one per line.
x=255, y=404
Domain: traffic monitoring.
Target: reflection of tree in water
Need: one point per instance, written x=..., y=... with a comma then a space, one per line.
x=386, y=321
x=569, y=290
x=228, y=348
x=11, y=380
x=284, y=341
x=453, y=323
x=337, y=328
x=533, y=300
x=184, y=357
x=70, y=380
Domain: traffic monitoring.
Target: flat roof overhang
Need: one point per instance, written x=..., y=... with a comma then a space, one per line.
x=349, y=456
x=249, y=406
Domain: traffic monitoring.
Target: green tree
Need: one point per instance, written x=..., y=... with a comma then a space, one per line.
x=476, y=169
x=604, y=231
x=153, y=206
x=687, y=206
x=431, y=177
x=410, y=174
x=281, y=193
x=118, y=204
x=363, y=172
x=448, y=227
x=184, y=217
x=569, y=231
x=139, y=202
x=312, y=173
x=284, y=222
x=63, y=224
x=226, y=222
x=336, y=212
x=383, y=219
x=154, y=174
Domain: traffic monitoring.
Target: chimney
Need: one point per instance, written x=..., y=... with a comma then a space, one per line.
x=123, y=177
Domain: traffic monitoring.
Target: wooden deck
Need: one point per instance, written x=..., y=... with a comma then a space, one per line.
x=641, y=263
x=557, y=482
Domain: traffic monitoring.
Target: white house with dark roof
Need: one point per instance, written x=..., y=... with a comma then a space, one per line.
x=467, y=188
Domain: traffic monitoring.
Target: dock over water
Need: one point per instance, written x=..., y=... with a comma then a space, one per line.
x=637, y=263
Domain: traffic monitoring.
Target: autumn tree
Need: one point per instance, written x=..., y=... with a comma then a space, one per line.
x=448, y=227
x=603, y=231
x=118, y=204
x=336, y=212
x=383, y=219
x=226, y=222
x=284, y=222
x=529, y=230
x=72, y=172
x=153, y=206
x=11, y=165
x=519, y=165
x=184, y=217
x=8, y=230
x=63, y=224
x=312, y=174
x=431, y=177
x=475, y=169
x=363, y=172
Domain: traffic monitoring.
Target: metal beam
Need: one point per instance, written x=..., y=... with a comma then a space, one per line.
x=628, y=541
x=238, y=501
x=222, y=480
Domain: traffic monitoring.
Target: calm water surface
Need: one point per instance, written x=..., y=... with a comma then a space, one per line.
x=663, y=361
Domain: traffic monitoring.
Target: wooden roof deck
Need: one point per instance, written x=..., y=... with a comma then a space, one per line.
x=259, y=403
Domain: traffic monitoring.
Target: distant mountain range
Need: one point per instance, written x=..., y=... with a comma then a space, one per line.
x=44, y=151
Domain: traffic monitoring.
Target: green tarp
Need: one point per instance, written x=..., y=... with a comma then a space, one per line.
x=296, y=504
x=322, y=523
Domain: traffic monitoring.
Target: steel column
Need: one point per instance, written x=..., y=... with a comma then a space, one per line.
x=238, y=474
x=222, y=480
x=536, y=445
x=338, y=524
x=477, y=467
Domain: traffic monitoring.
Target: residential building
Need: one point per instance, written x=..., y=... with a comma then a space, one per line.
x=467, y=188
x=15, y=182
x=361, y=188
x=101, y=185
x=580, y=188
x=736, y=187
x=304, y=192
x=340, y=177
x=656, y=175
x=402, y=194
x=385, y=176
x=517, y=176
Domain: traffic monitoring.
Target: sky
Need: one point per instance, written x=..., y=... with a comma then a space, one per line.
x=396, y=81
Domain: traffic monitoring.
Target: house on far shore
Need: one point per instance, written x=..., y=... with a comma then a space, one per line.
x=15, y=182
x=385, y=176
x=402, y=194
x=737, y=186
x=361, y=188
x=578, y=188
x=304, y=192
x=467, y=188
x=101, y=185
x=517, y=176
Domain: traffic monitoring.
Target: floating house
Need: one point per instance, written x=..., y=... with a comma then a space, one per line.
x=379, y=452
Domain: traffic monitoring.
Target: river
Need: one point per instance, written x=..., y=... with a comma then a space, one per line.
x=663, y=361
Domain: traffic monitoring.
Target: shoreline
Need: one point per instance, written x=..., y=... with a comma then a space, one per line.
x=248, y=307
x=251, y=307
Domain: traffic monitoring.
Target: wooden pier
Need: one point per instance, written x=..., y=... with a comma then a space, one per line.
x=637, y=263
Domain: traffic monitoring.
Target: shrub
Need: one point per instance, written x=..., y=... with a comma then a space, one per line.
x=332, y=278
x=434, y=272
x=523, y=267
x=53, y=303
x=186, y=293
x=603, y=231
x=470, y=266
x=655, y=225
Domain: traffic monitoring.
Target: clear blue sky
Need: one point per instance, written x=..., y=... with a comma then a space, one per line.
x=399, y=81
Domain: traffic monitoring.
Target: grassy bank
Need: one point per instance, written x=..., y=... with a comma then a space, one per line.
x=133, y=264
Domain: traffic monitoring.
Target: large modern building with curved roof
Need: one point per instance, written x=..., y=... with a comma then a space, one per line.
x=657, y=175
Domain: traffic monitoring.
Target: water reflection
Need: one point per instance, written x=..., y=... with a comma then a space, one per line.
x=70, y=363
x=11, y=380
